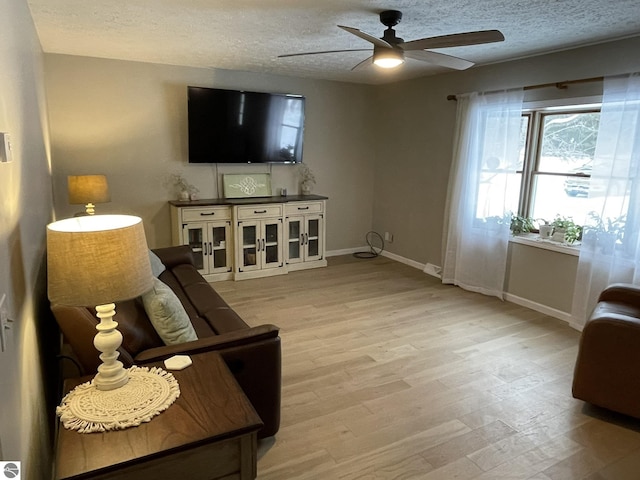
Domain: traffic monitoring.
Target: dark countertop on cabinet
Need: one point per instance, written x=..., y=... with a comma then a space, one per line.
x=206, y=202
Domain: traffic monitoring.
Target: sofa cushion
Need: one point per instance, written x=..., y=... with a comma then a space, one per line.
x=168, y=278
x=605, y=309
x=187, y=275
x=197, y=289
x=167, y=314
x=177, y=255
x=224, y=319
x=204, y=298
x=202, y=327
x=133, y=323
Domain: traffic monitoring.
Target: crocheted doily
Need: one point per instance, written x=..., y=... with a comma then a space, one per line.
x=147, y=393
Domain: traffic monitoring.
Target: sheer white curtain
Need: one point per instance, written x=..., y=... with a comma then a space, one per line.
x=482, y=183
x=610, y=250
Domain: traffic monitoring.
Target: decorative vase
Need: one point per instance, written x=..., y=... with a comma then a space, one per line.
x=184, y=195
x=546, y=231
x=306, y=189
x=558, y=235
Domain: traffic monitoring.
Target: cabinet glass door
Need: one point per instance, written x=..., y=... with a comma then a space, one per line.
x=294, y=253
x=249, y=245
x=271, y=243
x=313, y=238
x=219, y=242
x=193, y=235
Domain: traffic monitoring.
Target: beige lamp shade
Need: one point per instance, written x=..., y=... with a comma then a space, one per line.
x=95, y=260
x=85, y=189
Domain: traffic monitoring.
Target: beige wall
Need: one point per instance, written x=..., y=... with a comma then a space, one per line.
x=382, y=154
x=541, y=276
x=416, y=122
x=25, y=209
x=128, y=120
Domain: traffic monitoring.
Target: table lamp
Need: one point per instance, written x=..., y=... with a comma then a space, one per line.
x=99, y=260
x=88, y=190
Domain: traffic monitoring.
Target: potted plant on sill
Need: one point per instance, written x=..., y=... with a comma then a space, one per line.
x=492, y=223
x=605, y=232
x=565, y=230
x=521, y=224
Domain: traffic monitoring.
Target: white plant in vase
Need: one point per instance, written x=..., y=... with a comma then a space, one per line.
x=183, y=189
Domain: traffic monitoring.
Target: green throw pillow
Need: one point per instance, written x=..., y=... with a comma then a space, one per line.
x=167, y=314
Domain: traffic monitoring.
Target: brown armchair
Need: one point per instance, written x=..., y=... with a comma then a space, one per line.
x=607, y=372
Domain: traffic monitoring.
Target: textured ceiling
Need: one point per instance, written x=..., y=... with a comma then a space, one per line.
x=248, y=35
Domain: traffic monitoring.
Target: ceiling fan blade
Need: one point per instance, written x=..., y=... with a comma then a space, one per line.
x=325, y=51
x=439, y=59
x=454, y=40
x=365, y=36
x=363, y=64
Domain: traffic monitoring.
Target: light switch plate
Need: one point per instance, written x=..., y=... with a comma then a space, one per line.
x=4, y=323
x=5, y=148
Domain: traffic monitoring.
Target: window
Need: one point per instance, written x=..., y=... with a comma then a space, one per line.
x=558, y=146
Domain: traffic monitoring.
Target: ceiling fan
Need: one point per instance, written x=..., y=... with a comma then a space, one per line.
x=391, y=50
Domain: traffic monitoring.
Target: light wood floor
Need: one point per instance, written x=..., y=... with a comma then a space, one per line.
x=388, y=374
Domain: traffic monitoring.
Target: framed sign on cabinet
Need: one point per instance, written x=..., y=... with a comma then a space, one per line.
x=247, y=185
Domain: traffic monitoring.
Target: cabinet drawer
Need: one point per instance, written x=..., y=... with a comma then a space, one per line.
x=205, y=213
x=259, y=211
x=295, y=208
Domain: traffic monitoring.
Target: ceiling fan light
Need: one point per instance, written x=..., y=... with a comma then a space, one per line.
x=388, y=62
x=388, y=57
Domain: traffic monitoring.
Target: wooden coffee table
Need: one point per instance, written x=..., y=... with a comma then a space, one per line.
x=210, y=432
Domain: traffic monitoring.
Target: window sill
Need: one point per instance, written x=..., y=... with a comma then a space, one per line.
x=533, y=240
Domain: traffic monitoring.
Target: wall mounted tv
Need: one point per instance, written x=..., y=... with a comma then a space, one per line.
x=231, y=126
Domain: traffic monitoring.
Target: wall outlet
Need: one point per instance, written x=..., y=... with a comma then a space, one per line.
x=388, y=237
x=5, y=148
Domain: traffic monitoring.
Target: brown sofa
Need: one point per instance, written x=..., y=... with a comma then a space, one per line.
x=607, y=372
x=251, y=353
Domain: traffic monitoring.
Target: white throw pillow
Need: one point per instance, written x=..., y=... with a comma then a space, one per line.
x=167, y=314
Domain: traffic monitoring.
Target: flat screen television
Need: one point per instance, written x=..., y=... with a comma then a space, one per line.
x=233, y=126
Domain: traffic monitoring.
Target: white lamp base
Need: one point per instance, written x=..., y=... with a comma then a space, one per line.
x=111, y=373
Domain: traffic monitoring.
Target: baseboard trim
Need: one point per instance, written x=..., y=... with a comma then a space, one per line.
x=539, y=307
x=392, y=256
x=523, y=302
x=346, y=251
x=406, y=261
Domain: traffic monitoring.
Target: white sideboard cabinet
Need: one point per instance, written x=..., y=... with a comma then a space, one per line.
x=207, y=230
x=259, y=245
x=304, y=227
x=249, y=238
